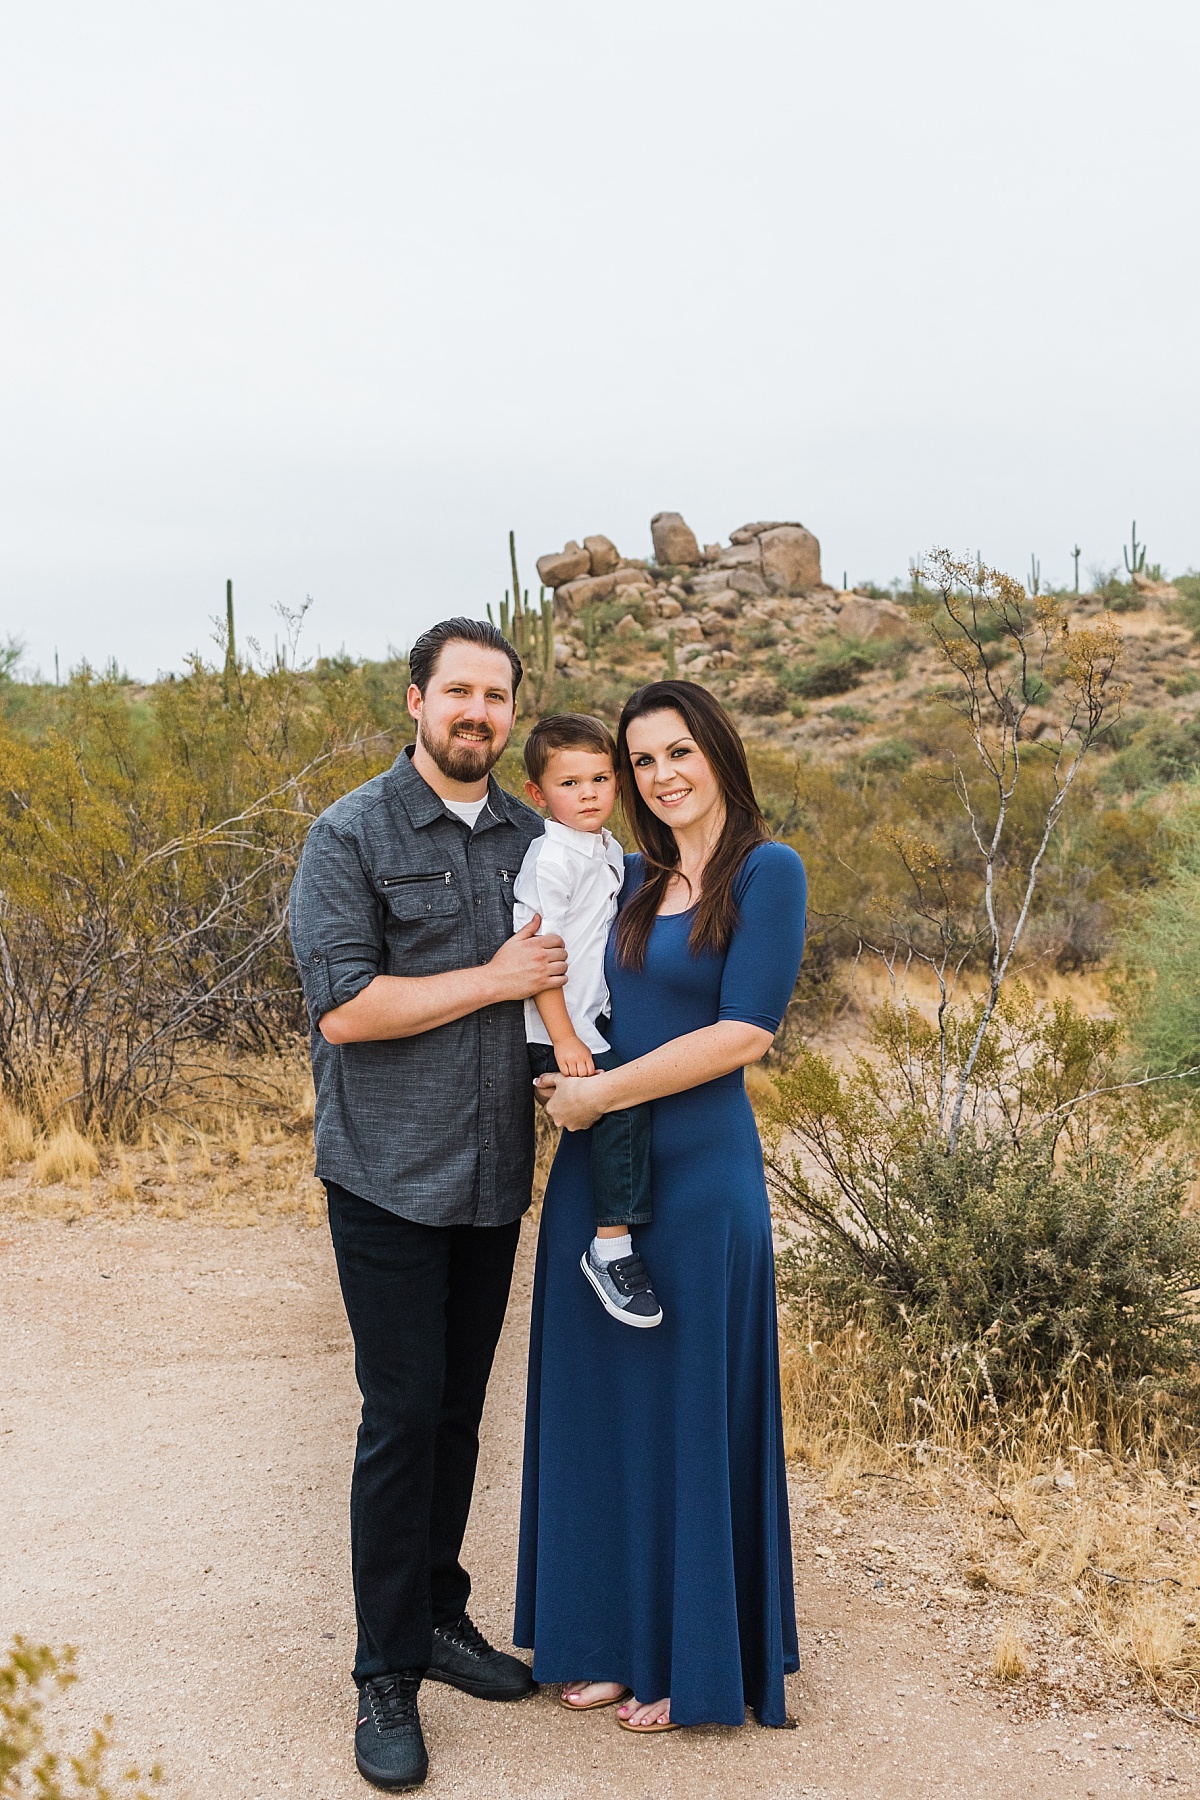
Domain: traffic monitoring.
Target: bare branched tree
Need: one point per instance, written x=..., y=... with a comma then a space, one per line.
x=1022, y=677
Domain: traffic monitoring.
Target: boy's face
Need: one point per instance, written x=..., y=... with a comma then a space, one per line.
x=578, y=788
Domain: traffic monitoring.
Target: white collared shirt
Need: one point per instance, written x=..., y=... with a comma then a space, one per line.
x=572, y=878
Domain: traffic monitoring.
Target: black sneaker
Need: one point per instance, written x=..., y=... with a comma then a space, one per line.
x=388, y=1745
x=463, y=1658
x=624, y=1289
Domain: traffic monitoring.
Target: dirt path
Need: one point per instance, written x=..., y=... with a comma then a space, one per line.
x=176, y=1426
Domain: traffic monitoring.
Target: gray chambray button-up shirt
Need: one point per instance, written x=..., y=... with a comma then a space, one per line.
x=437, y=1127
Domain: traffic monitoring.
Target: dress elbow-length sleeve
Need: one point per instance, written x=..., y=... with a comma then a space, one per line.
x=763, y=959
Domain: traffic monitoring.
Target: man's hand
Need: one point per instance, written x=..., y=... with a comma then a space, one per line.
x=527, y=964
x=573, y=1057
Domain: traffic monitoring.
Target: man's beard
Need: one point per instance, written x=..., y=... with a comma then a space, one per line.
x=458, y=758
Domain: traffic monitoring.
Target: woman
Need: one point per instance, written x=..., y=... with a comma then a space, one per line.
x=655, y=1561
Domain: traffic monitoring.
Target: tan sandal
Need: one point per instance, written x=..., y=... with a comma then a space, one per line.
x=645, y=1730
x=592, y=1705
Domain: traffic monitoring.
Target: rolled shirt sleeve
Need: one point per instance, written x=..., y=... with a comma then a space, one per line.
x=336, y=922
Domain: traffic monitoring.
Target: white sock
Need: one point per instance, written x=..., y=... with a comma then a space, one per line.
x=606, y=1250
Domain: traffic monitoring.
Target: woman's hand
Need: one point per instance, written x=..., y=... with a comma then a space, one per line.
x=573, y=1101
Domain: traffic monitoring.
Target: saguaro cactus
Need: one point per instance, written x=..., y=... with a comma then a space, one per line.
x=1136, y=551
x=229, y=678
x=1076, y=554
x=1035, y=575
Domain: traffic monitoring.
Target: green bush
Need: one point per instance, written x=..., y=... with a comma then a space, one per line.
x=1048, y=1246
x=1046, y=1271
x=1160, y=954
x=834, y=671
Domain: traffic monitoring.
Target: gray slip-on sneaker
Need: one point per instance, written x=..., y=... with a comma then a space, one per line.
x=624, y=1289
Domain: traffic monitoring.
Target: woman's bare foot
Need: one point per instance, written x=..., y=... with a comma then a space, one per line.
x=580, y=1695
x=639, y=1717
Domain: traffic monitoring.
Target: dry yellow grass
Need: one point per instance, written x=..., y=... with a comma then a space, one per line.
x=223, y=1158
x=1010, y=1656
x=17, y=1135
x=1108, y=1544
x=65, y=1155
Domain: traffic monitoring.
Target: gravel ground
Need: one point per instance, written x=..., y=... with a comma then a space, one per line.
x=176, y=1430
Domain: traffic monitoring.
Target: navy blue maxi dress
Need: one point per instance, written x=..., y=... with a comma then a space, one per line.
x=655, y=1543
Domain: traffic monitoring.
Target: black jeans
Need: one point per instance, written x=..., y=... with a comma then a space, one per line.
x=620, y=1151
x=425, y=1304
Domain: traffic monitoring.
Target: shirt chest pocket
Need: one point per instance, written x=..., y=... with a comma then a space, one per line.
x=431, y=895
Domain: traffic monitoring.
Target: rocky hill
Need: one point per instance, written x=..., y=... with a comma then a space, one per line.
x=835, y=671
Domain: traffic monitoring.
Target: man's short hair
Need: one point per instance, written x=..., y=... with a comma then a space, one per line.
x=423, y=657
x=566, y=731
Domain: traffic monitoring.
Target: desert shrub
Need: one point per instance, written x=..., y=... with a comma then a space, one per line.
x=836, y=670
x=27, y=1764
x=146, y=849
x=1048, y=1246
x=892, y=753
x=762, y=695
x=1033, y=1270
x=1157, y=753
x=1160, y=961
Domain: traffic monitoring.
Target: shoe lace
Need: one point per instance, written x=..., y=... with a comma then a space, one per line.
x=629, y=1274
x=465, y=1635
x=393, y=1701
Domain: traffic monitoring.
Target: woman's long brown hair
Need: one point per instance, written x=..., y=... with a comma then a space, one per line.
x=709, y=724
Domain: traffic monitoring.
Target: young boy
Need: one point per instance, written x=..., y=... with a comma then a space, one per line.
x=572, y=876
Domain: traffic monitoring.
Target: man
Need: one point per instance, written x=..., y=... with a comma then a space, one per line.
x=401, y=922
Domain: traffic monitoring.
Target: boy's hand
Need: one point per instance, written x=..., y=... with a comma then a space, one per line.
x=573, y=1057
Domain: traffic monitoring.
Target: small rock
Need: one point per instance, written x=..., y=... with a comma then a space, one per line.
x=711, y=552
x=669, y=608
x=602, y=554
x=563, y=566
x=688, y=629
x=631, y=578
x=1065, y=1480
x=674, y=540
x=562, y=655
x=628, y=626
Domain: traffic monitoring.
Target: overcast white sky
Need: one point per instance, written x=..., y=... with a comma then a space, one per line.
x=325, y=298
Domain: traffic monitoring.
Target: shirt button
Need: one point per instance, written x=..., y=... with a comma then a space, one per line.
x=487, y=1081
x=486, y=1144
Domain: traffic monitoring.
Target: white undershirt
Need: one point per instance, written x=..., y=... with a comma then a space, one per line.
x=572, y=878
x=466, y=810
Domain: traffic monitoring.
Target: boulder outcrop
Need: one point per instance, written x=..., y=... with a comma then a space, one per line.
x=770, y=558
